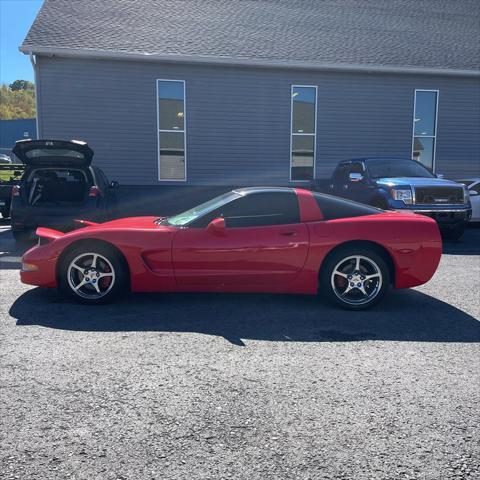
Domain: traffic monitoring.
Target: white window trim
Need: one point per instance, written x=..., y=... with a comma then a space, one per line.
x=434, y=136
x=314, y=134
x=184, y=131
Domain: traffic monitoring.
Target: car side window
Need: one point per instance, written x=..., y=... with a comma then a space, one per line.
x=356, y=168
x=475, y=188
x=256, y=210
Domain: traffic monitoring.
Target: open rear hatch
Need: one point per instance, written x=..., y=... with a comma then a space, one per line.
x=53, y=153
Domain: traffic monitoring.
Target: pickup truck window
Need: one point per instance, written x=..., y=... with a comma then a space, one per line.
x=379, y=168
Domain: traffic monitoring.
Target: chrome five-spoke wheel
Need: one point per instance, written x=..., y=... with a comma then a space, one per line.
x=356, y=280
x=355, y=277
x=90, y=275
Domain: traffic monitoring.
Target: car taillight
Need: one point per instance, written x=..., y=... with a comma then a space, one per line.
x=15, y=191
x=94, y=192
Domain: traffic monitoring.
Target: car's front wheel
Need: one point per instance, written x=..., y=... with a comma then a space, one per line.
x=93, y=274
x=355, y=278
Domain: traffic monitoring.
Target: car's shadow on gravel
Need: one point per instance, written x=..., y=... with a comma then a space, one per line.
x=407, y=315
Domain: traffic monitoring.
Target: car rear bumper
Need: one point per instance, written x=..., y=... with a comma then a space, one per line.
x=5, y=196
x=31, y=219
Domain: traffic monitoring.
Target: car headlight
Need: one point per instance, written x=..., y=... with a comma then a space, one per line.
x=404, y=194
x=29, y=267
x=466, y=195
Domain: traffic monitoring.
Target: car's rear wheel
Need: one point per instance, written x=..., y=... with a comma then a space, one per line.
x=355, y=278
x=93, y=274
x=380, y=202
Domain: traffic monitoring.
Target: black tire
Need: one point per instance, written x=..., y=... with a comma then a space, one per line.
x=22, y=236
x=353, y=298
x=5, y=211
x=455, y=233
x=380, y=202
x=101, y=287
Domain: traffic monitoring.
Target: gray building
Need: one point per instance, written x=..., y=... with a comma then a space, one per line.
x=242, y=92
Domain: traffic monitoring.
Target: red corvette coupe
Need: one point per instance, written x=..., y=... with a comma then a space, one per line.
x=264, y=239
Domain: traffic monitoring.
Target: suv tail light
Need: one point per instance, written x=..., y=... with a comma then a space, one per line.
x=16, y=191
x=94, y=192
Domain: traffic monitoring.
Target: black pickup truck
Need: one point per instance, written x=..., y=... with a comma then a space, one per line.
x=10, y=175
x=403, y=184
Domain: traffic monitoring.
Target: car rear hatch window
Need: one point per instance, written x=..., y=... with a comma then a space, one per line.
x=38, y=153
x=55, y=187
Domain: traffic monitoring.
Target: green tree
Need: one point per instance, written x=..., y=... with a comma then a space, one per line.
x=21, y=85
x=17, y=100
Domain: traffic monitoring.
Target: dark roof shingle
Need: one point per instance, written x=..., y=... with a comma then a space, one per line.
x=441, y=34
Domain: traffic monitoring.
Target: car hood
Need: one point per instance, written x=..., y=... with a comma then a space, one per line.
x=416, y=182
x=53, y=153
x=129, y=222
x=137, y=223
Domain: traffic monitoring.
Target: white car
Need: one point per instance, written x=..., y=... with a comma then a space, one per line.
x=473, y=185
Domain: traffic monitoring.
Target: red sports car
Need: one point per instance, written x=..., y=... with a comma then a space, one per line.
x=261, y=239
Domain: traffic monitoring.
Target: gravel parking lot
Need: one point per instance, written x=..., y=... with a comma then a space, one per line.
x=242, y=386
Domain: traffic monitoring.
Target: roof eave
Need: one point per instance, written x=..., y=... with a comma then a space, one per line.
x=244, y=62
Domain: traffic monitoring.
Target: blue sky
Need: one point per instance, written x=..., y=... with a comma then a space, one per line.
x=16, y=16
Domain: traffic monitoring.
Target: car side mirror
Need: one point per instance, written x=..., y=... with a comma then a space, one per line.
x=114, y=184
x=217, y=226
x=473, y=193
x=355, y=177
x=440, y=175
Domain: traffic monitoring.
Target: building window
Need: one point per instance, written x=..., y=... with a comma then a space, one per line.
x=171, y=130
x=303, y=132
x=425, y=127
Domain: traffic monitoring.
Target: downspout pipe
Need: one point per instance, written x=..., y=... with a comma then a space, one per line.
x=33, y=61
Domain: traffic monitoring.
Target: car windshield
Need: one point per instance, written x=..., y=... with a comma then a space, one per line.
x=467, y=183
x=379, y=168
x=185, y=218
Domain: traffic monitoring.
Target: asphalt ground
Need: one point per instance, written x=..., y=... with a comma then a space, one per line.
x=250, y=387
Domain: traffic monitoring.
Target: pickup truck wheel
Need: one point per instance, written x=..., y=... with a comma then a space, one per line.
x=93, y=275
x=355, y=278
x=455, y=233
x=380, y=203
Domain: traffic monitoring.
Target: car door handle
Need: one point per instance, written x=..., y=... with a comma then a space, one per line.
x=289, y=234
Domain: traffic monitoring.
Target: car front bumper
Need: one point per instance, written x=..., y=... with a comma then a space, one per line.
x=38, y=269
x=446, y=217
